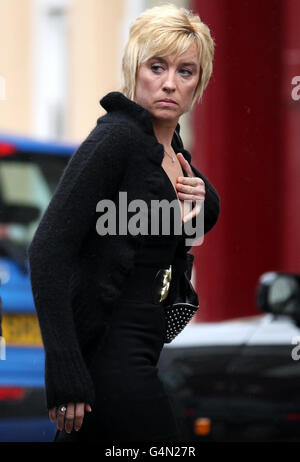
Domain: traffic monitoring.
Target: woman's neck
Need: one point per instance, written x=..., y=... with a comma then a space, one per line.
x=164, y=131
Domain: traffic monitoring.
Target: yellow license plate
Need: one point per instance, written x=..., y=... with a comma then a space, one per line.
x=21, y=329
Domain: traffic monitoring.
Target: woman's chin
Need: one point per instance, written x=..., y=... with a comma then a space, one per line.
x=165, y=116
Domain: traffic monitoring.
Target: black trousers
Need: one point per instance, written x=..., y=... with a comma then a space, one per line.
x=131, y=401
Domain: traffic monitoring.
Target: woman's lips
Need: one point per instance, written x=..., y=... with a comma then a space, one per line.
x=167, y=103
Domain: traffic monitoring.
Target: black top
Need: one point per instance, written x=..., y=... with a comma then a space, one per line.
x=76, y=274
x=159, y=249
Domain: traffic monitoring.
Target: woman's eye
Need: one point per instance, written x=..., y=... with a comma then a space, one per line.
x=156, y=67
x=186, y=70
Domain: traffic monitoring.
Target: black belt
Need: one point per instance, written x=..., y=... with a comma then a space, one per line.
x=152, y=284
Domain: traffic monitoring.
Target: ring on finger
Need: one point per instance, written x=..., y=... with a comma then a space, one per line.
x=62, y=408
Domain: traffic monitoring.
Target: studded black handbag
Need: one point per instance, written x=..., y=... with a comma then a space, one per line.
x=178, y=296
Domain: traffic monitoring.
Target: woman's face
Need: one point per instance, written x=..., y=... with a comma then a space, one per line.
x=169, y=77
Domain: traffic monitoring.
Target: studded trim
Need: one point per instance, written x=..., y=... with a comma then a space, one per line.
x=177, y=317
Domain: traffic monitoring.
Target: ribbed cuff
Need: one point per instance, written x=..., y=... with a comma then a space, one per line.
x=67, y=379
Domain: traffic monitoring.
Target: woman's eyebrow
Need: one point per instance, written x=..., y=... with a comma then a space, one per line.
x=159, y=58
x=191, y=63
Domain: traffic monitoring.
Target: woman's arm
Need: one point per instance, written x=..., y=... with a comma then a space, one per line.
x=211, y=207
x=211, y=203
x=93, y=173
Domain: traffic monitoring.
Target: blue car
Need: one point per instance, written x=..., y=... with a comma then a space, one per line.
x=29, y=173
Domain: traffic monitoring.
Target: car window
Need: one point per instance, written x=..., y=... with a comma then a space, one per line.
x=27, y=181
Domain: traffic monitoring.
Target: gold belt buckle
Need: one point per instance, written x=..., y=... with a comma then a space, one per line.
x=167, y=276
x=162, y=284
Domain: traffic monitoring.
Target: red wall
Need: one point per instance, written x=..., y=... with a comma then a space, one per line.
x=290, y=244
x=243, y=145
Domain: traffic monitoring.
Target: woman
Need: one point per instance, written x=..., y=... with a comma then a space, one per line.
x=102, y=327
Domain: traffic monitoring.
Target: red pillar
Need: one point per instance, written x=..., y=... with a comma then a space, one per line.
x=290, y=247
x=238, y=146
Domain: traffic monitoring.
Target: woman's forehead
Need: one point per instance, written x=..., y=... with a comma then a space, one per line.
x=189, y=57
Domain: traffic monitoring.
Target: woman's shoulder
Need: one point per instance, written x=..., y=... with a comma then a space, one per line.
x=113, y=129
x=104, y=149
x=106, y=139
x=122, y=125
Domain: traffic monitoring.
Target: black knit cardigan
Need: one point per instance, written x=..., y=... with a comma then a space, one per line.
x=76, y=274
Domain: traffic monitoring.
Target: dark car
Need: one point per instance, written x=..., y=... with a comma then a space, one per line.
x=239, y=380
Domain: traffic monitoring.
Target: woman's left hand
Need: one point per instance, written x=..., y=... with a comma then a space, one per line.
x=71, y=417
x=190, y=188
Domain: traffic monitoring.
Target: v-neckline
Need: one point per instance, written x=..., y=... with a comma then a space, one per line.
x=179, y=203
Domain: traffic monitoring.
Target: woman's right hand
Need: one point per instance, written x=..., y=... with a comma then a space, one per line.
x=71, y=418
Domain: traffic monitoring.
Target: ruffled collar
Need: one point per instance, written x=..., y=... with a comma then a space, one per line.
x=116, y=101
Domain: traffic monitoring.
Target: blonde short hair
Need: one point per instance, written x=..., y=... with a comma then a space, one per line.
x=164, y=30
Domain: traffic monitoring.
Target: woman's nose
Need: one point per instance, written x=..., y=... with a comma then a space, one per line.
x=169, y=83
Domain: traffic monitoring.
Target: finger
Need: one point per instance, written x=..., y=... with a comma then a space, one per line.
x=60, y=418
x=69, y=417
x=190, y=197
x=191, y=193
x=185, y=165
x=195, y=211
x=195, y=181
x=188, y=189
x=79, y=414
x=88, y=407
x=52, y=414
